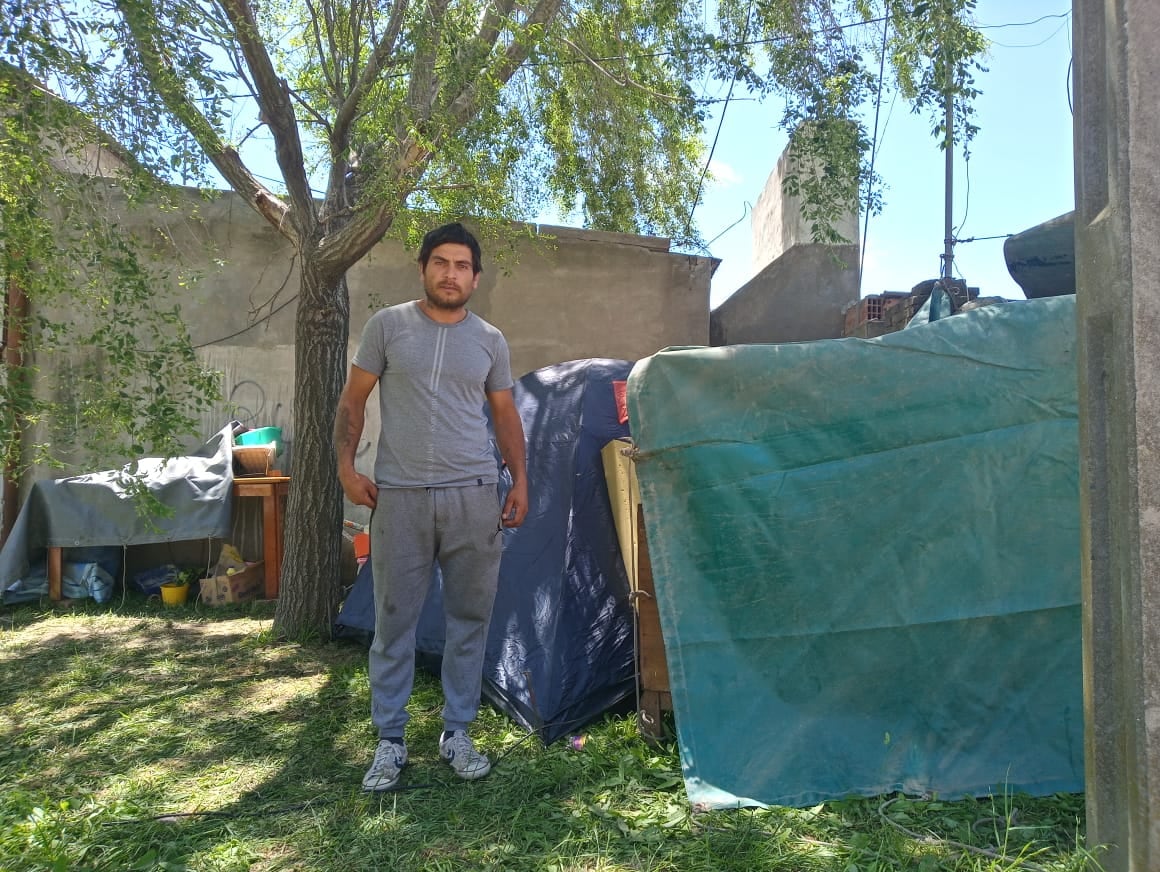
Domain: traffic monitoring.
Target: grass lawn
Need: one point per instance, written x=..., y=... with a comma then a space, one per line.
x=135, y=736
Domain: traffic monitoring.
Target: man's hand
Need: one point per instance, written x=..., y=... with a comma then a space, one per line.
x=509, y=435
x=515, y=507
x=359, y=489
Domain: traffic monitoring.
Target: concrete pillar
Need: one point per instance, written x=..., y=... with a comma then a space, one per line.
x=1117, y=160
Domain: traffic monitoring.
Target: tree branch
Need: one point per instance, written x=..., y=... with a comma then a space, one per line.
x=140, y=18
x=350, y=105
x=474, y=51
x=467, y=103
x=339, y=250
x=278, y=112
x=489, y=30
x=424, y=85
x=330, y=77
x=340, y=134
x=624, y=82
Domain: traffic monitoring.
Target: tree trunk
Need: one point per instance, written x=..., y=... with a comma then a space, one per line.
x=15, y=314
x=310, y=586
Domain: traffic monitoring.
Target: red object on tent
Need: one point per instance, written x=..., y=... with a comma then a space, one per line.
x=620, y=391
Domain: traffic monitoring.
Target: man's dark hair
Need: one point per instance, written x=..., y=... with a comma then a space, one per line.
x=455, y=234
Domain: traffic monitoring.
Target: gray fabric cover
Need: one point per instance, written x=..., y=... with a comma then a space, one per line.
x=96, y=509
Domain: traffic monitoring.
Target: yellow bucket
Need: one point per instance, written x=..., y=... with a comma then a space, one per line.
x=174, y=594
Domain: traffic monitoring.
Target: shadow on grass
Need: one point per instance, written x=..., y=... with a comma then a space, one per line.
x=200, y=744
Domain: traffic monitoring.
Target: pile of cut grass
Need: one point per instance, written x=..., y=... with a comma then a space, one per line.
x=149, y=738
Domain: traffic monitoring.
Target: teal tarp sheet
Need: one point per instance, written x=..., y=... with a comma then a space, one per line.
x=866, y=558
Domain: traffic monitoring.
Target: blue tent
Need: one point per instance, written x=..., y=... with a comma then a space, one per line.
x=560, y=649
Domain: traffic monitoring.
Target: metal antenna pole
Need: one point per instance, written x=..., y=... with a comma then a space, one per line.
x=948, y=256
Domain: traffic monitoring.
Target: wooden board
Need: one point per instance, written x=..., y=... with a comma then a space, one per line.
x=653, y=666
x=628, y=514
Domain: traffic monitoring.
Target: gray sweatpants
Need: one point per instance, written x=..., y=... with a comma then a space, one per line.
x=411, y=528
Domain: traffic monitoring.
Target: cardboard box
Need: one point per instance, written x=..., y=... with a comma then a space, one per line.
x=237, y=588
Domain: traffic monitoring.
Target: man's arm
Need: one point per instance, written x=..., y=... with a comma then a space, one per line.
x=509, y=434
x=348, y=427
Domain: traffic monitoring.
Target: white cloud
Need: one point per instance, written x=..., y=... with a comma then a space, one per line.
x=723, y=174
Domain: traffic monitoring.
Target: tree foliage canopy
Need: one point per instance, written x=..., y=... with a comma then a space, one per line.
x=487, y=107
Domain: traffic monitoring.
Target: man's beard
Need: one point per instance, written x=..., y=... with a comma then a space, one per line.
x=450, y=305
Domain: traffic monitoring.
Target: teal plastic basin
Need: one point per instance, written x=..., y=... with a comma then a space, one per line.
x=262, y=436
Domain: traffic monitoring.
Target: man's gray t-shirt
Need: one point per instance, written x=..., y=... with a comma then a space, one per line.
x=432, y=383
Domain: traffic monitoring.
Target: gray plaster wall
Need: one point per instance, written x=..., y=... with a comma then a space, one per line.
x=1117, y=224
x=800, y=288
x=800, y=296
x=565, y=295
x=777, y=224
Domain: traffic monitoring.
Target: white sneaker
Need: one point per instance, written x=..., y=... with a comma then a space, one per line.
x=390, y=758
x=458, y=750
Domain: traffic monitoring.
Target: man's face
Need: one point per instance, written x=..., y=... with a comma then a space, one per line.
x=448, y=277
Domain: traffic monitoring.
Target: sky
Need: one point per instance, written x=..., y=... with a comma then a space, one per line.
x=1019, y=173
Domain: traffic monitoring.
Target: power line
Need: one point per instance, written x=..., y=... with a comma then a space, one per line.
x=1070, y=63
x=717, y=135
x=982, y=238
x=1067, y=84
x=1047, y=38
x=709, y=159
x=967, y=199
x=744, y=212
x=744, y=42
x=247, y=328
x=1023, y=23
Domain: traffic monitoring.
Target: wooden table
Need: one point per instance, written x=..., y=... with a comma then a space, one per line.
x=273, y=490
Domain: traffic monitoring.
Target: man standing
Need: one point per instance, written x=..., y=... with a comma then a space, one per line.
x=434, y=497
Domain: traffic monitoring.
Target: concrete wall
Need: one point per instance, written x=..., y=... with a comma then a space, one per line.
x=777, y=224
x=801, y=295
x=571, y=294
x=800, y=288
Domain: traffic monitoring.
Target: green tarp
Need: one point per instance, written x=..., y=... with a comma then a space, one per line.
x=866, y=558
